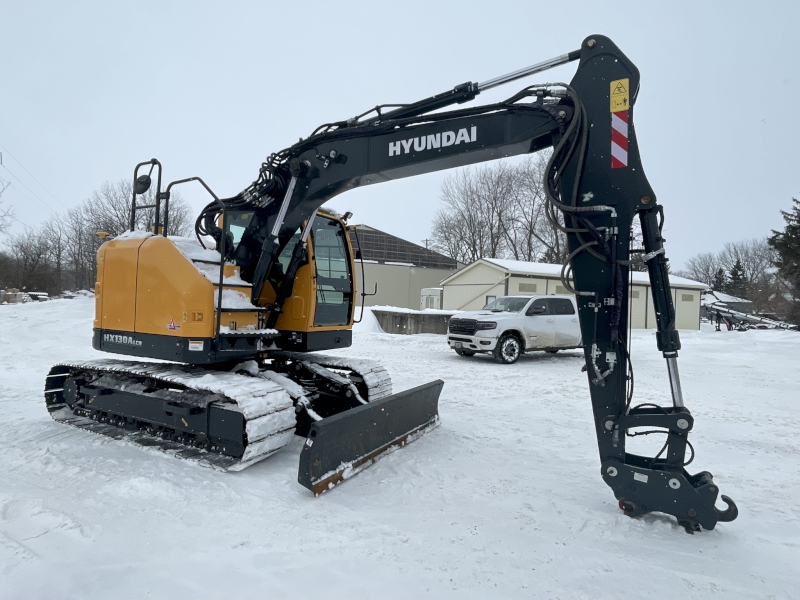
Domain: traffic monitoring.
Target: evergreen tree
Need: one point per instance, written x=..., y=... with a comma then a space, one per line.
x=738, y=280
x=720, y=281
x=787, y=247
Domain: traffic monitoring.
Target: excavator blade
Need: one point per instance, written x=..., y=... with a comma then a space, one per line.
x=340, y=446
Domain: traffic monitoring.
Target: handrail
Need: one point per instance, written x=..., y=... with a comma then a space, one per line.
x=363, y=278
x=222, y=249
x=153, y=162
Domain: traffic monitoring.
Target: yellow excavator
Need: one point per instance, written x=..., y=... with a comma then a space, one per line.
x=236, y=315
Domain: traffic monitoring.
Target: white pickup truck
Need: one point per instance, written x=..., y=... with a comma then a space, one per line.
x=511, y=325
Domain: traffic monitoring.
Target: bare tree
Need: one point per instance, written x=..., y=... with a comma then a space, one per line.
x=535, y=236
x=497, y=211
x=108, y=209
x=82, y=247
x=468, y=226
x=29, y=252
x=704, y=268
x=54, y=233
x=755, y=256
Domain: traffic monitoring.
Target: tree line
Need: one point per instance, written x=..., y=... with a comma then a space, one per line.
x=60, y=254
x=763, y=271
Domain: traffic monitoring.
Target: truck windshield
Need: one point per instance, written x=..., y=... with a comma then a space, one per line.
x=507, y=304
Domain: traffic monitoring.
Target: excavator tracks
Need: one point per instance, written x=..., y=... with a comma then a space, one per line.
x=226, y=420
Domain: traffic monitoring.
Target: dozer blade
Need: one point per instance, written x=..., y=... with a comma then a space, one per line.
x=340, y=446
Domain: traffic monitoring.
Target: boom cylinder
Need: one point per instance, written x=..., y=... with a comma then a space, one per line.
x=537, y=68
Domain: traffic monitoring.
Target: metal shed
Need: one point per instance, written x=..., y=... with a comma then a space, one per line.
x=475, y=285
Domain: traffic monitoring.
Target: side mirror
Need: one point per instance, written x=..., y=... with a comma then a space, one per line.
x=142, y=184
x=537, y=310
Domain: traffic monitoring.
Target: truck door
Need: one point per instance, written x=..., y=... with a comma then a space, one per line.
x=567, y=328
x=539, y=325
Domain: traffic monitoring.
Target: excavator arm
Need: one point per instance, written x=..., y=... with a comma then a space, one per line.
x=594, y=179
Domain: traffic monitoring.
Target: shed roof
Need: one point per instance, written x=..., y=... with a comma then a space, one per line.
x=382, y=247
x=519, y=267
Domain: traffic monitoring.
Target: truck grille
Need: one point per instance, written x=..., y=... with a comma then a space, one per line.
x=462, y=326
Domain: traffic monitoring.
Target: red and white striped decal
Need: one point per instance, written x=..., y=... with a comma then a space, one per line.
x=619, y=139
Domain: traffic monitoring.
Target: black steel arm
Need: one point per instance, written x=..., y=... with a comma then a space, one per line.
x=595, y=179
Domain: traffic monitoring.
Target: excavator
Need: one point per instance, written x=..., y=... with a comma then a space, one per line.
x=231, y=322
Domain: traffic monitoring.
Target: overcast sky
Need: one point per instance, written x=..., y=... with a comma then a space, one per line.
x=88, y=89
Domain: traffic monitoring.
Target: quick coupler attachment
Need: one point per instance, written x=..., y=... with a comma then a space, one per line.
x=342, y=445
x=689, y=498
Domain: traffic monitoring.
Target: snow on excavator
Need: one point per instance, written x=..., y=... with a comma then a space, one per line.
x=240, y=312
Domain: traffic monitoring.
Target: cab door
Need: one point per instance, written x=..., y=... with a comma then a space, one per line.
x=539, y=325
x=567, y=328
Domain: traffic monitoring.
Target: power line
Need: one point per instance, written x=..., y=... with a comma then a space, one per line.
x=31, y=174
x=24, y=195
x=44, y=204
x=20, y=222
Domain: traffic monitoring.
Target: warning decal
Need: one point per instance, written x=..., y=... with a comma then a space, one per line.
x=619, y=139
x=620, y=95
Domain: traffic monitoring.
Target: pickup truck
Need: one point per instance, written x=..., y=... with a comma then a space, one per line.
x=511, y=325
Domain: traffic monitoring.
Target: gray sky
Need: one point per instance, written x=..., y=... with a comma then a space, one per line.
x=91, y=88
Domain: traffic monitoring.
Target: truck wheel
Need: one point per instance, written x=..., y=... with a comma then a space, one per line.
x=465, y=353
x=508, y=349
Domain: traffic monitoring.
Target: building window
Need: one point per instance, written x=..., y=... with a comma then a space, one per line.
x=490, y=299
x=634, y=293
x=560, y=289
x=687, y=297
x=527, y=287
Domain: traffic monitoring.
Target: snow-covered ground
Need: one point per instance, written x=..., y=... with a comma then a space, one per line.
x=503, y=500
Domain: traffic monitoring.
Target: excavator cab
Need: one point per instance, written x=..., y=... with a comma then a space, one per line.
x=319, y=312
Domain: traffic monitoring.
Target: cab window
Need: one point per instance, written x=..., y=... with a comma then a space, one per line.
x=334, y=283
x=237, y=224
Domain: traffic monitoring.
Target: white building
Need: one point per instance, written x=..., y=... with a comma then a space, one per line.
x=474, y=286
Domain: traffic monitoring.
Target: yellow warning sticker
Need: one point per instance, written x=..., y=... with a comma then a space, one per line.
x=620, y=95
